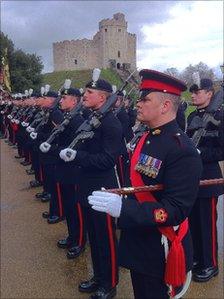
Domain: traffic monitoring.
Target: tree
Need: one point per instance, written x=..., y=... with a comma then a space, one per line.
x=25, y=69
x=5, y=43
x=172, y=71
x=203, y=70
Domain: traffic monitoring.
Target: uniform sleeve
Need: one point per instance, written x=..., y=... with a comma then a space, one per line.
x=111, y=145
x=181, y=180
x=214, y=152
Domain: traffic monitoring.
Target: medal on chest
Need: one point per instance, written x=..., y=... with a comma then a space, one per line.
x=148, y=165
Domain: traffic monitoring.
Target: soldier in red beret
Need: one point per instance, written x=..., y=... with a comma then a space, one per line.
x=155, y=243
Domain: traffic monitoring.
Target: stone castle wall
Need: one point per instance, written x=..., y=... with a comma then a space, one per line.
x=112, y=44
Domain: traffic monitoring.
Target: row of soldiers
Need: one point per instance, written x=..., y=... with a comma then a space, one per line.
x=78, y=143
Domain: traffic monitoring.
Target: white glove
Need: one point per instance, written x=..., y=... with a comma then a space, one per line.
x=16, y=121
x=44, y=147
x=106, y=202
x=24, y=124
x=33, y=135
x=68, y=154
x=9, y=116
x=2, y=112
x=29, y=129
x=13, y=120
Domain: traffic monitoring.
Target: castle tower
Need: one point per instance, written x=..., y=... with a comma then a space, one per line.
x=111, y=46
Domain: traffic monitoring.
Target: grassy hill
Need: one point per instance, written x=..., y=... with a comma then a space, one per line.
x=79, y=78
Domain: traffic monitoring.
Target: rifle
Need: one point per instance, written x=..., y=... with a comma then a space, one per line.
x=37, y=117
x=43, y=121
x=152, y=188
x=42, y=118
x=202, y=123
x=117, y=110
x=58, y=130
x=85, y=130
x=140, y=130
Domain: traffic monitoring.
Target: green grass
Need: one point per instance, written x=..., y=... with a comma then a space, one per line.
x=79, y=78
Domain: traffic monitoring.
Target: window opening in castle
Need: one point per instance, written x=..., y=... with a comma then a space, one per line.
x=119, y=30
x=105, y=30
x=119, y=54
x=75, y=61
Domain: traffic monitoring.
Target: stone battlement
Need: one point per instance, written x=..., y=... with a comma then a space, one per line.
x=112, y=46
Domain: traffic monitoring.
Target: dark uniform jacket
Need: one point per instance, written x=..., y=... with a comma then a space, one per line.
x=97, y=157
x=55, y=118
x=123, y=117
x=67, y=173
x=132, y=114
x=140, y=246
x=211, y=148
x=181, y=117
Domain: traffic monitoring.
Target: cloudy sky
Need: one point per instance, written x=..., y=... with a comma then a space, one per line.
x=169, y=33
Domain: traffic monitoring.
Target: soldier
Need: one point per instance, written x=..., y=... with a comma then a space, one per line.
x=147, y=220
x=47, y=161
x=129, y=107
x=204, y=213
x=67, y=175
x=97, y=158
x=123, y=159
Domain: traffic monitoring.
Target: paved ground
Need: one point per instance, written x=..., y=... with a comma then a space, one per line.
x=31, y=264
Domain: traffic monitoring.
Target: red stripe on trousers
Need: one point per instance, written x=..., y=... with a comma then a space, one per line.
x=112, y=251
x=59, y=199
x=80, y=224
x=214, y=236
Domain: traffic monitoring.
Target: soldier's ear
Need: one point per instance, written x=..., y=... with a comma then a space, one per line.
x=166, y=105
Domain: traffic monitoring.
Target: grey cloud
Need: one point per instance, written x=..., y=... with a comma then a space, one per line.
x=35, y=25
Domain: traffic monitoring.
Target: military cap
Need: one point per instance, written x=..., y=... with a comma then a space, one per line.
x=36, y=94
x=205, y=83
x=152, y=80
x=72, y=91
x=100, y=85
x=51, y=94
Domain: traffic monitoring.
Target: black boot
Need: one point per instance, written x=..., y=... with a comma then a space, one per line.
x=45, y=215
x=89, y=286
x=35, y=183
x=205, y=274
x=64, y=243
x=75, y=251
x=54, y=219
x=30, y=171
x=46, y=197
x=102, y=293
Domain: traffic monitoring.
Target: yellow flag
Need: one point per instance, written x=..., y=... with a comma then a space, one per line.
x=6, y=74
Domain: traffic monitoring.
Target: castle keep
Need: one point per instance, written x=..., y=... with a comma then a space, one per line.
x=111, y=46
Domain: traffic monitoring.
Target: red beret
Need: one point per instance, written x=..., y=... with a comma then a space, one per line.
x=156, y=81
